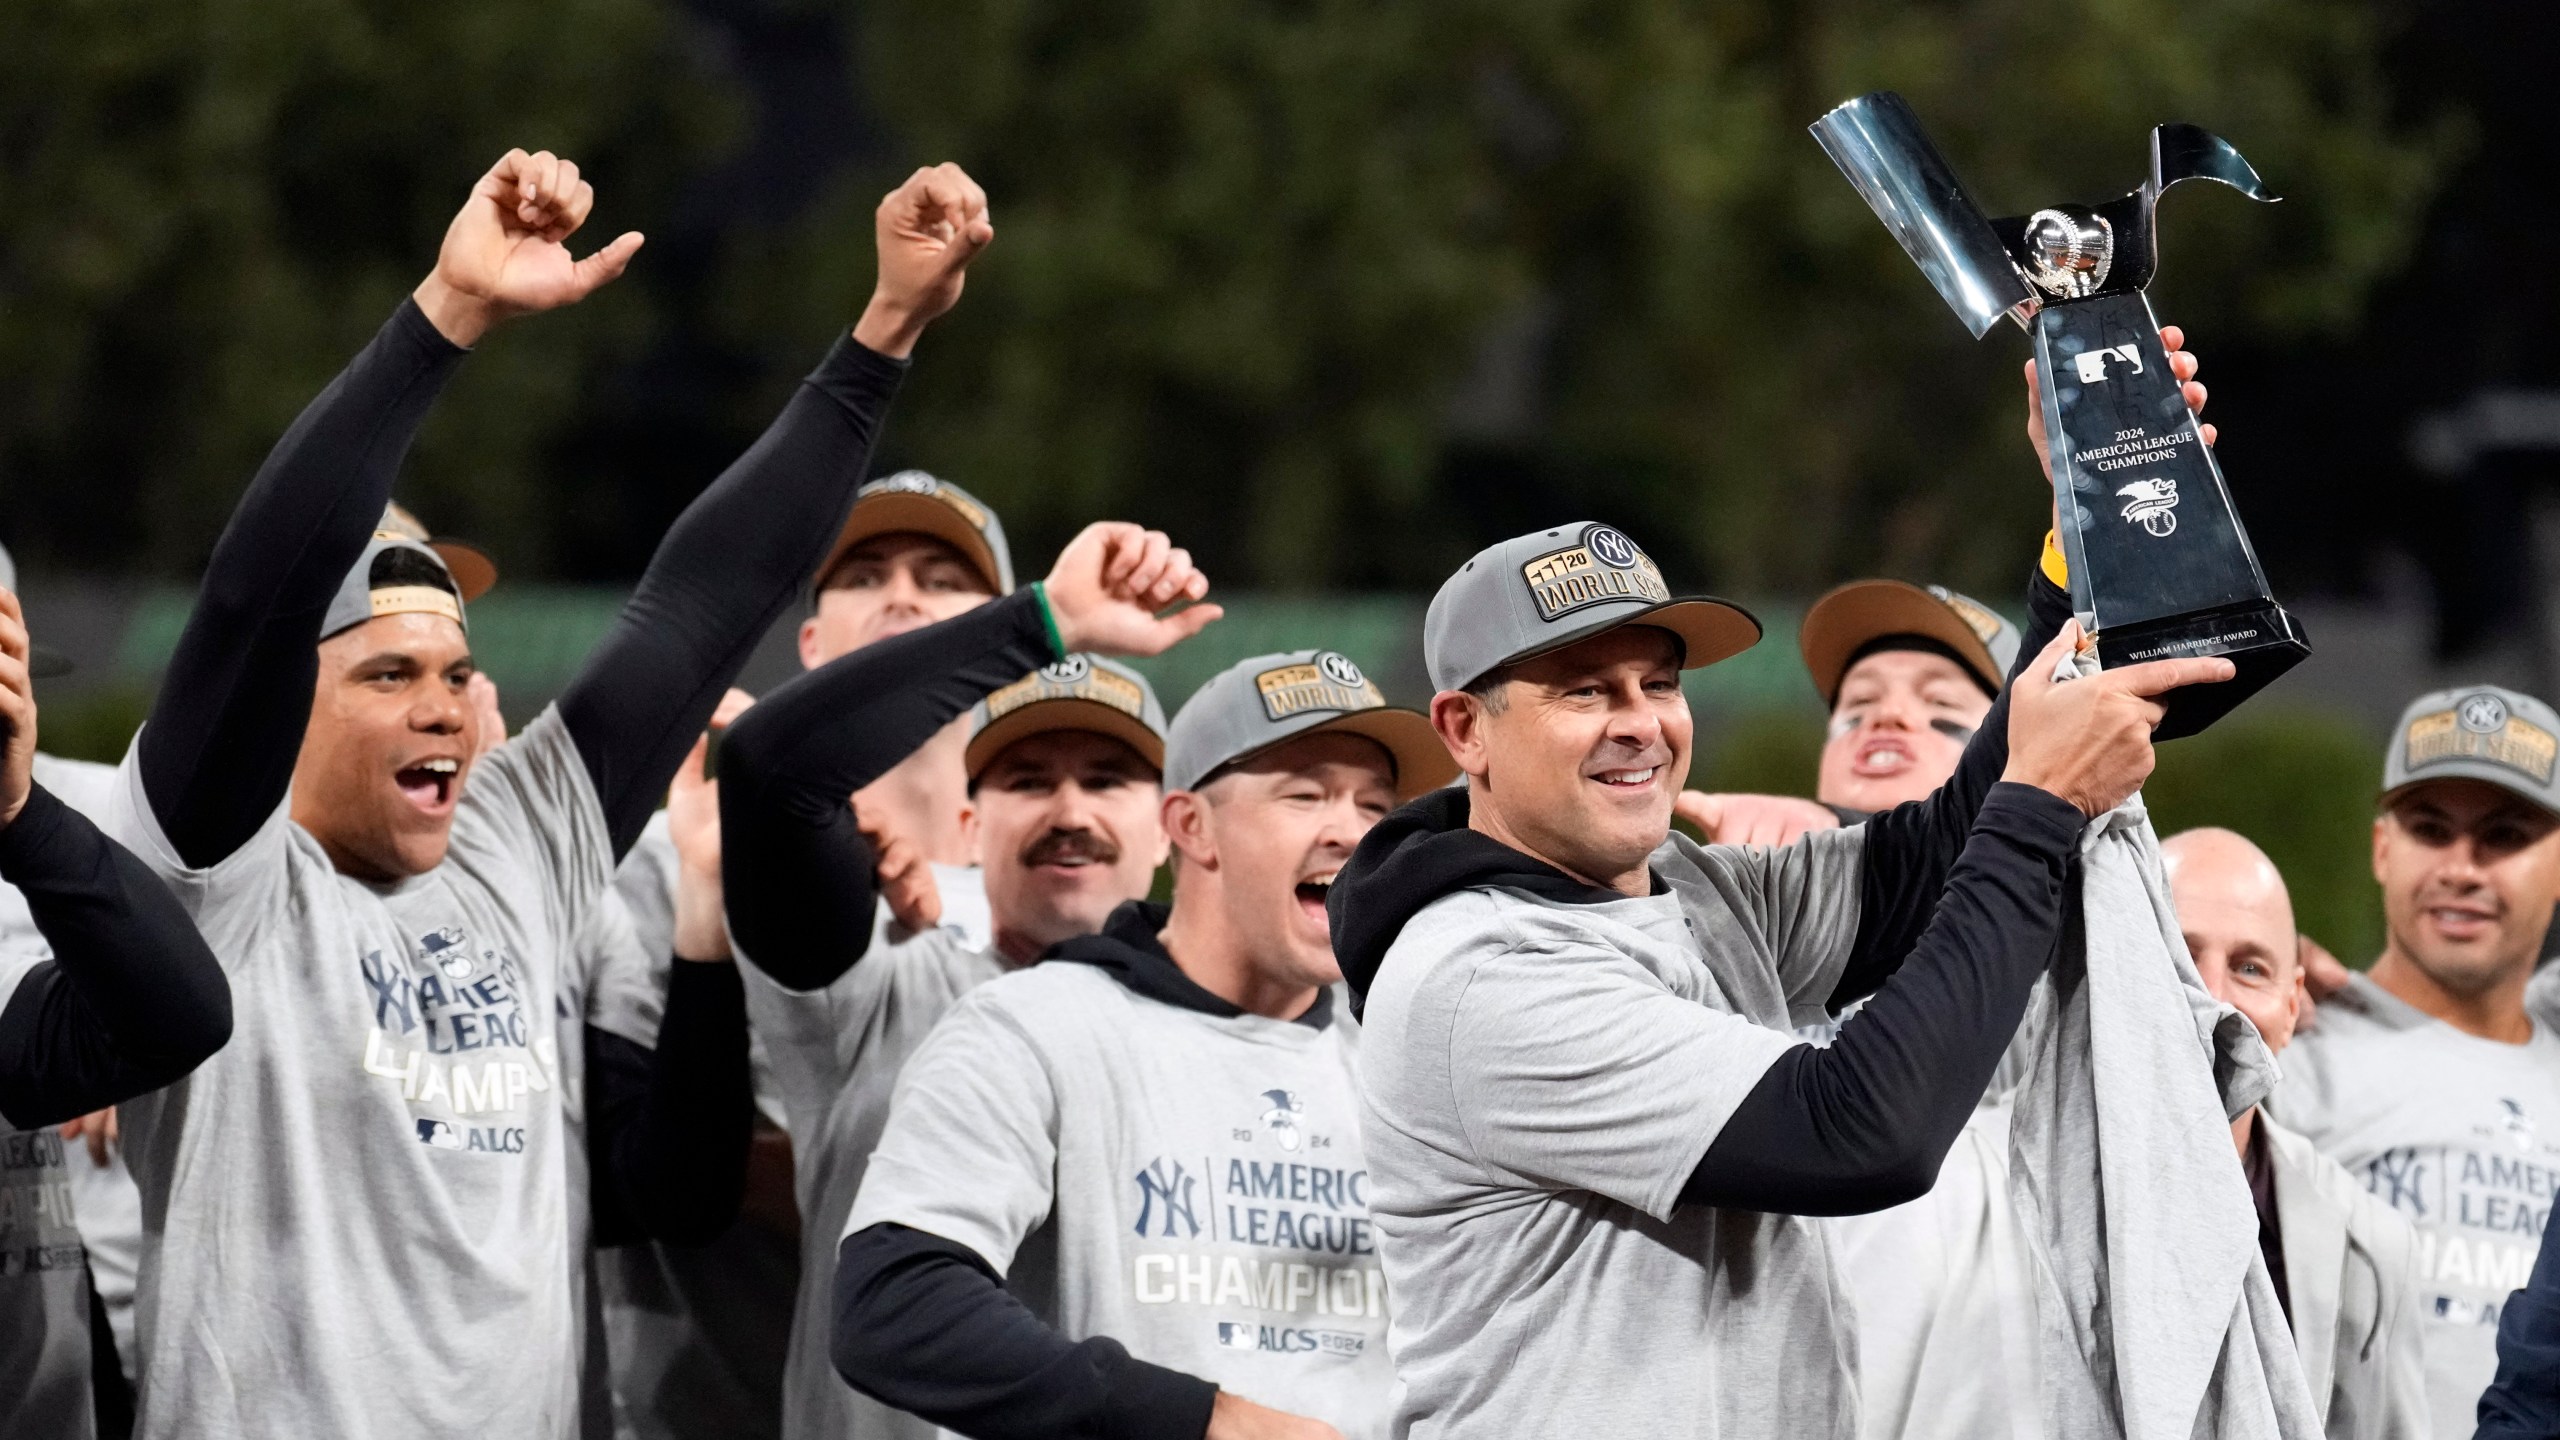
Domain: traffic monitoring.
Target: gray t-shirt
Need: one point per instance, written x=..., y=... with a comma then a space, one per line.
x=1539, y=1080
x=1189, y=1185
x=44, y=1297
x=358, y=1215
x=2459, y=1134
x=836, y=1056
x=46, y=1233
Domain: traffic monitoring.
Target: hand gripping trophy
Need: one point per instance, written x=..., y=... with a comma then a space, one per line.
x=2160, y=565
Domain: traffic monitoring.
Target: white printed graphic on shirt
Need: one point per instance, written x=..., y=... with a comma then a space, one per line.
x=452, y=1029
x=1238, y=1199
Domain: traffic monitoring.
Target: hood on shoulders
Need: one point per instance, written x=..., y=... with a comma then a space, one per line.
x=1412, y=858
x=1131, y=950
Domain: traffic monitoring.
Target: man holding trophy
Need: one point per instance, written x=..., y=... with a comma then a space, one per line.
x=1595, y=1140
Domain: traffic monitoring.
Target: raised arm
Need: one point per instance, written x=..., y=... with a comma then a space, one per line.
x=1863, y=1124
x=219, y=750
x=799, y=870
x=669, y=1125
x=131, y=999
x=1911, y=850
x=742, y=550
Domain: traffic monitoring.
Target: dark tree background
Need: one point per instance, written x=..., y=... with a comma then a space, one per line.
x=1340, y=290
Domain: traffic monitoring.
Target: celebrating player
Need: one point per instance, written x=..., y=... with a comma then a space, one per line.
x=2426, y=1076
x=1163, y=1114
x=396, y=910
x=1062, y=768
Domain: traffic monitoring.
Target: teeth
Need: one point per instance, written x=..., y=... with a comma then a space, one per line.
x=1628, y=777
x=443, y=767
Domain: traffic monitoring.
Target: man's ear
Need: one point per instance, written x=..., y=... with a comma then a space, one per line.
x=1188, y=829
x=1460, y=718
x=969, y=831
x=809, y=643
x=2381, y=844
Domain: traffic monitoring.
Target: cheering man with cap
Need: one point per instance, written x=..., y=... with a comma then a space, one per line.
x=1906, y=675
x=2427, y=1077
x=396, y=909
x=696, y=1345
x=1122, y=1193
x=1063, y=765
x=1593, y=1138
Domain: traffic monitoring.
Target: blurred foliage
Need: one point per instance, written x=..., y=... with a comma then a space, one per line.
x=1338, y=291
x=206, y=206
x=2301, y=784
x=1343, y=291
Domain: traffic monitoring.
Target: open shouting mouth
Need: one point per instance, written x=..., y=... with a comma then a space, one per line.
x=431, y=784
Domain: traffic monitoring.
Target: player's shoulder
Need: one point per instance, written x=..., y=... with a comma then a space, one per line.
x=1049, y=995
x=2380, y=1229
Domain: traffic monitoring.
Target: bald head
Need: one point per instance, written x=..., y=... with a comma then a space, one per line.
x=2238, y=920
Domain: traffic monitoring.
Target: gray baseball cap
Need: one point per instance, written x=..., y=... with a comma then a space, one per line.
x=395, y=575
x=912, y=502
x=2476, y=732
x=1847, y=623
x=1257, y=703
x=42, y=663
x=1081, y=692
x=1550, y=588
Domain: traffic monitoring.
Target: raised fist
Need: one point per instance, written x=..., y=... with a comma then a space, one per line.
x=1110, y=582
x=928, y=230
x=505, y=254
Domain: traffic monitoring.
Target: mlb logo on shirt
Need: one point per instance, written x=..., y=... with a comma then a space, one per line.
x=1235, y=1336
x=439, y=1134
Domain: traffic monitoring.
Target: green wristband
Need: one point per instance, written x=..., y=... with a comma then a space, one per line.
x=1049, y=619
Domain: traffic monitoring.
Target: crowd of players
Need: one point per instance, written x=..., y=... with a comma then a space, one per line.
x=686, y=1066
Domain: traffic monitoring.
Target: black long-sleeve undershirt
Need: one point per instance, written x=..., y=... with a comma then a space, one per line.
x=797, y=870
x=668, y=1128
x=1962, y=900
x=131, y=1000
x=219, y=751
x=965, y=1354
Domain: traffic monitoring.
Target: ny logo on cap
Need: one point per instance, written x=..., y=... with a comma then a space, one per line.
x=1329, y=682
x=1605, y=567
x=1074, y=678
x=2480, y=726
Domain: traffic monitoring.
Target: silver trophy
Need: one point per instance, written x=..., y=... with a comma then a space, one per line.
x=2160, y=564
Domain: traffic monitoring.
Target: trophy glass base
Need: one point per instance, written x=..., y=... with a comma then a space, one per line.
x=2258, y=636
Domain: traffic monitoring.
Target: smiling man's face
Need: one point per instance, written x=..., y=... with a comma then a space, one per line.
x=1068, y=830
x=2469, y=873
x=1577, y=759
x=1898, y=728
x=390, y=744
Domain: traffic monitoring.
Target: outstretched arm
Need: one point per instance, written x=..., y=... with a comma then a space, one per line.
x=799, y=869
x=1863, y=1124
x=1911, y=850
x=131, y=999
x=219, y=750
x=741, y=550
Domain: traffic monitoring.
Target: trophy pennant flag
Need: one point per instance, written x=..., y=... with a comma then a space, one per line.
x=2160, y=564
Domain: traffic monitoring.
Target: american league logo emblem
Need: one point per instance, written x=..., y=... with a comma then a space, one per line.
x=2152, y=504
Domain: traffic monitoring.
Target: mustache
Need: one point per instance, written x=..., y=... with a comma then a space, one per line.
x=1070, y=845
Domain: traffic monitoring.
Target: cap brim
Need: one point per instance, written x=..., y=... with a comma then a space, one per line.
x=897, y=513
x=472, y=570
x=44, y=664
x=1709, y=629
x=2482, y=771
x=1041, y=717
x=1846, y=620
x=1422, y=762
